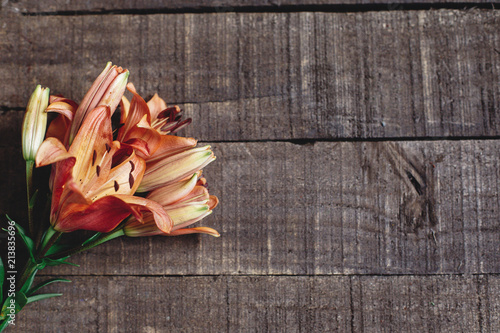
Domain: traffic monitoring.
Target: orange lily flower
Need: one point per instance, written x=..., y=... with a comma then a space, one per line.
x=93, y=181
x=60, y=125
x=146, y=127
x=174, y=168
x=106, y=90
x=186, y=202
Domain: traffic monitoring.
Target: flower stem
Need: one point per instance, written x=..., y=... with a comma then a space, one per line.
x=102, y=239
x=42, y=223
x=29, y=268
x=50, y=239
x=29, y=191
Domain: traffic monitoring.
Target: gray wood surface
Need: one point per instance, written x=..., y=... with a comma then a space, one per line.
x=272, y=304
x=332, y=208
x=96, y=6
x=357, y=165
x=276, y=76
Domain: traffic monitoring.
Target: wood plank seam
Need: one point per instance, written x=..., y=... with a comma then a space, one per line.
x=397, y=5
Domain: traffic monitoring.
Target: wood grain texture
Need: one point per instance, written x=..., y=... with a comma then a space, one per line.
x=337, y=233
x=331, y=208
x=96, y=6
x=270, y=304
x=276, y=76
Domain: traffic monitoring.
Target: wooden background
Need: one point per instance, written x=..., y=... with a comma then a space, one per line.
x=358, y=147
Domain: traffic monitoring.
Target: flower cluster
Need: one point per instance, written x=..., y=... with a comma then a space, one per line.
x=139, y=173
x=134, y=179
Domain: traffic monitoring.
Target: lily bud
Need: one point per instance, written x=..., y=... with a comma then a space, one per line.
x=35, y=122
x=106, y=90
x=175, y=168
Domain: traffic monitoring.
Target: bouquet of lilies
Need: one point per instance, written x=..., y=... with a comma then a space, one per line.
x=110, y=176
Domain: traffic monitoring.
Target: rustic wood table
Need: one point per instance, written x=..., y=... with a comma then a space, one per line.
x=357, y=144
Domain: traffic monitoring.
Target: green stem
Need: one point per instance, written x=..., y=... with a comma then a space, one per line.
x=29, y=268
x=50, y=239
x=104, y=238
x=29, y=191
x=43, y=221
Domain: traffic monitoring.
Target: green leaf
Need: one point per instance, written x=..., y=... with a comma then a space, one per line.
x=91, y=239
x=55, y=262
x=20, y=301
x=27, y=241
x=4, y=324
x=3, y=313
x=2, y=277
x=33, y=199
x=43, y=284
x=29, y=282
x=47, y=236
x=56, y=248
x=35, y=298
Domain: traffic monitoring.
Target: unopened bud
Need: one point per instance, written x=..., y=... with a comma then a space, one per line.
x=35, y=122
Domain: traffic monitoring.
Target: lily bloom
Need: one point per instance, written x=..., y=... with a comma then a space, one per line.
x=35, y=122
x=93, y=181
x=146, y=127
x=174, y=168
x=106, y=90
x=186, y=202
x=60, y=125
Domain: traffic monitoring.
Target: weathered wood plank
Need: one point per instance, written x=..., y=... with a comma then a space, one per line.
x=330, y=208
x=33, y=6
x=278, y=75
x=269, y=304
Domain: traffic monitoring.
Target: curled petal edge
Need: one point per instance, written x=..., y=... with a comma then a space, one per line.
x=197, y=230
x=51, y=151
x=162, y=220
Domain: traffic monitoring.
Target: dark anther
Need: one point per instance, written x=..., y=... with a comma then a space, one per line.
x=131, y=180
x=132, y=165
x=116, y=186
x=97, y=170
x=94, y=156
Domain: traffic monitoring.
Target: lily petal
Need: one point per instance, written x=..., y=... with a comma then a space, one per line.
x=161, y=218
x=175, y=168
x=102, y=215
x=51, y=151
x=156, y=105
x=58, y=128
x=170, y=145
x=174, y=192
x=188, y=215
x=139, y=145
x=198, y=196
x=138, y=109
x=134, y=228
x=213, y=201
x=91, y=144
x=122, y=179
x=63, y=108
x=112, y=96
x=147, y=135
x=197, y=230
x=107, y=86
x=124, y=109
